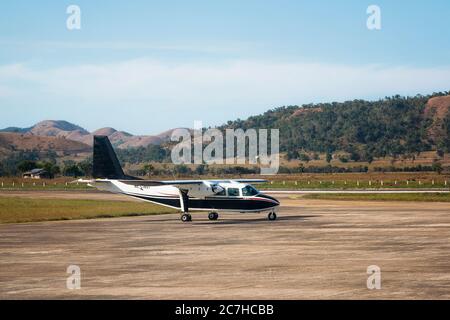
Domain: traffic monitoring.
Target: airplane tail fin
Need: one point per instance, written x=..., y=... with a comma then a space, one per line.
x=106, y=165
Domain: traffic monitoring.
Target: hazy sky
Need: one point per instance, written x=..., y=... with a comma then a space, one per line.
x=146, y=66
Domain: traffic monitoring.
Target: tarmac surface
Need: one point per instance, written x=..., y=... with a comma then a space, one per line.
x=317, y=249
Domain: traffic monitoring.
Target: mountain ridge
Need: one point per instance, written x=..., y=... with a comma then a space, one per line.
x=70, y=131
x=361, y=129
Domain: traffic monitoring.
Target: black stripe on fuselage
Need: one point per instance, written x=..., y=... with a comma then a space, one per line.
x=213, y=203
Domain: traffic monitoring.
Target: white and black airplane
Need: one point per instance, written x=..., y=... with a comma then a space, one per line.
x=235, y=195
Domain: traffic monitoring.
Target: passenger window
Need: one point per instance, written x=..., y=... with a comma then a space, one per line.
x=233, y=192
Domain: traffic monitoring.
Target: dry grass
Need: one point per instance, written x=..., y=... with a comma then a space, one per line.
x=420, y=197
x=16, y=209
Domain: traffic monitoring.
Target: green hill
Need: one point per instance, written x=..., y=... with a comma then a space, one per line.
x=364, y=129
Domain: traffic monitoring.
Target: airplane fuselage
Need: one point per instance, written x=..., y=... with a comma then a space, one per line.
x=234, y=197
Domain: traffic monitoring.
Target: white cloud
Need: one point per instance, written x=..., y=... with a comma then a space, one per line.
x=247, y=81
x=232, y=89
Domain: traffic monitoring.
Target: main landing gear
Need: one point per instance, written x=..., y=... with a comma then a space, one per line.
x=213, y=216
x=186, y=217
x=272, y=216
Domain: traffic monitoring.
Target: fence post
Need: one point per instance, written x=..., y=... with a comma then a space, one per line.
x=407, y=182
x=381, y=182
x=357, y=183
x=432, y=182
x=296, y=183
x=370, y=182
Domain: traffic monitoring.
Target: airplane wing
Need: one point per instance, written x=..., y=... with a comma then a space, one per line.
x=148, y=183
x=177, y=183
x=251, y=181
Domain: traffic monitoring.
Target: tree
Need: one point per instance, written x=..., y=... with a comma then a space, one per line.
x=148, y=169
x=303, y=157
x=51, y=168
x=292, y=154
x=181, y=169
x=201, y=169
x=86, y=166
x=72, y=170
x=354, y=155
x=437, y=167
x=26, y=165
x=329, y=157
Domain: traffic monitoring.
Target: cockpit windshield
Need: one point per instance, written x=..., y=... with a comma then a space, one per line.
x=248, y=191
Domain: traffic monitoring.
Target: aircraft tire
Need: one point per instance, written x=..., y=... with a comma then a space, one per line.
x=272, y=216
x=185, y=217
x=213, y=216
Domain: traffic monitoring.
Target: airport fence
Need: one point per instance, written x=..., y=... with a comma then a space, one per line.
x=354, y=184
x=25, y=184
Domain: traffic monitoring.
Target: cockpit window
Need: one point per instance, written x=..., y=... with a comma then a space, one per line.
x=248, y=191
x=233, y=192
x=221, y=193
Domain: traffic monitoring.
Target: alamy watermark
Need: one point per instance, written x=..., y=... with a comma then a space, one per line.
x=241, y=147
x=73, y=21
x=374, y=19
x=374, y=279
x=73, y=282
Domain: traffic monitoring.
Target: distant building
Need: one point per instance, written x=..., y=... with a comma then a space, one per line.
x=36, y=174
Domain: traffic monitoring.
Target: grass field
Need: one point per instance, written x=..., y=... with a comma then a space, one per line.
x=353, y=184
x=45, y=184
x=338, y=181
x=15, y=209
x=421, y=197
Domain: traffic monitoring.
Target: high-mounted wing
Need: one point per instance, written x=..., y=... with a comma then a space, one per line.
x=143, y=183
x=197, y=182
x=251, y=181
x=177, y=183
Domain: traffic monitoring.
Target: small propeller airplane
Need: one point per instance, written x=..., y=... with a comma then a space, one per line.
x=235, y=195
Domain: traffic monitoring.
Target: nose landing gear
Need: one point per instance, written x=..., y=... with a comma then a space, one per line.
x=272, y=216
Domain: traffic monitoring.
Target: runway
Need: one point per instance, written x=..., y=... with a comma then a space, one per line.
x=316, y=250
x=367, y=191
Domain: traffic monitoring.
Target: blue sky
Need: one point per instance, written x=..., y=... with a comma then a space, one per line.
x=146, y=66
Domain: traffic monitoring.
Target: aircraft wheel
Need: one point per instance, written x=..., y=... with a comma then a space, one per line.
x=185, y=217
x=272, y=216
x=213, y=216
